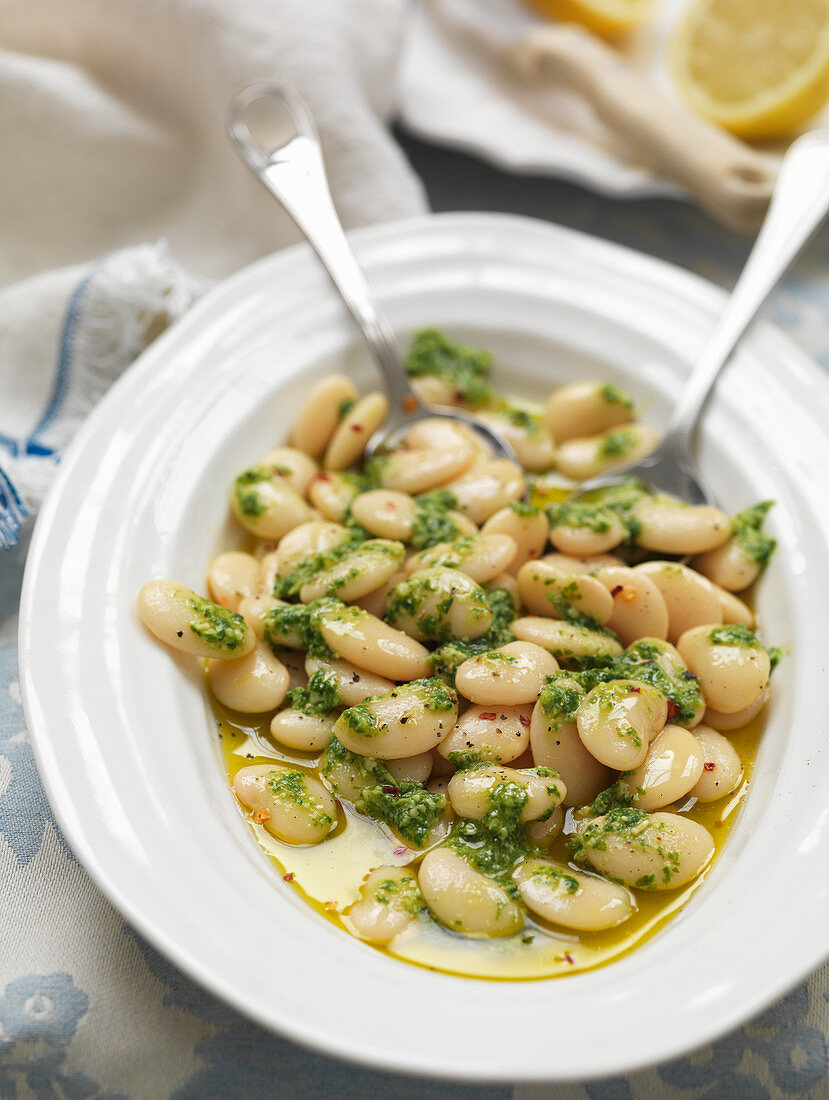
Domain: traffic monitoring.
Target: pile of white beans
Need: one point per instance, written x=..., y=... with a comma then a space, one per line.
x=517, y=725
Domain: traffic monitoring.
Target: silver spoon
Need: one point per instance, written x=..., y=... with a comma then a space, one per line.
x=798, y=206
x=275, y=134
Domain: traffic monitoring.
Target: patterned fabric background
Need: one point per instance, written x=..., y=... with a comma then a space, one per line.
x=88, y=1009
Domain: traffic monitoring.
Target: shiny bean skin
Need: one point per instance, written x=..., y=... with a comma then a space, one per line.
x=314, y=537
x=547, y=591
x=376, y=602
x=332, y=493
x=563, y=639
x=508, y=676
x=480, y=557
x=669, y=771
x=581, y=408
x=436, y=391
x=668, y=850
x=487, y=488
x=369, y=643
x=185, y=621
x=639, y=611
x=353, y=432
x=268, y=571
x=556, y=744
x=420, y=471
x=583, y=541
x=737, y=719
x=290, y=804
x=385, y=512
x=439, y=604
x=389, y=901
x=529, y=533
x=541, y=834
x=583, y=563
x=722, y=768
x=733, y=608
x=405, y=721
x=470, y=791
x=618, y=720
x=533, y=446
x=412, y=769
x=436, y=433
x=667, y=526
x=305, y=732
x=294, y=662
x=732, y=673
x=365, y=569
x=581, y=459
x=729, y=566
x=499, y=734
x=232, y=577
x=253, y=685
x=465, y=900
x=690, y=598
x=508, y=582
x=668, y=659
x=254, y=610
x=558, y=894
x=295, y=467
x=319, y=416
x=268, y=508
x=353, y=684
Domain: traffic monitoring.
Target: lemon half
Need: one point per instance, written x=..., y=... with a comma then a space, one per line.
x=605, y=17
x=757, y=67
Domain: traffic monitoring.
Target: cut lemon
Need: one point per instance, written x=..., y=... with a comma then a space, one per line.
x=605, y=17
x=757, y=67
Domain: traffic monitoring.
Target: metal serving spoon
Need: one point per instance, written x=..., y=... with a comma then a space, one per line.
x=275, y=134
x=798, y=206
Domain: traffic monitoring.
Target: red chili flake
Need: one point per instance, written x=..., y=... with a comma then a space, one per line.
x=391, y=505
x=709, y=765
x=673, y=709
x=487, y=715
x=458, y=395
x=400, y=851
x=409, y=403
x=718, y=824
x=388, y=789
x=614, y=592
x=330, y=905
x=289, y=877
x=357, y=428
x=524, y=719
x=323, y=477
x=635, y=690
x=568, y=958
x=260, y=816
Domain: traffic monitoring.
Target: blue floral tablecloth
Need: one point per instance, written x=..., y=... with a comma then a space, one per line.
x=89, y=1009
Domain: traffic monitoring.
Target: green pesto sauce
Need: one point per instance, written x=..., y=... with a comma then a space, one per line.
x=408, y=598
x=527, y=421
x=613, y=395
x=560, y=696
x=506, y=800
x=748, y=533
x=321, y=696
x=555, y=878
x=487, y=852
x=633, y=827
x=432, y=522
x=301, y=622
x=217, y=627
x=248, y=500
x=522, y=509
x=615, y=797
x=775, y=656
x=464, y=368
x=447, y=659
x=308, y=569
x=400, y=893
x=595, y=517
x=733, y=634
x=361, y=719
x=288, y=786
x=345, y=407
x=618, y=443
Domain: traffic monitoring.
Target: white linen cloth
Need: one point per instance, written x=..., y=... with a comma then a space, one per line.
x=113, y=120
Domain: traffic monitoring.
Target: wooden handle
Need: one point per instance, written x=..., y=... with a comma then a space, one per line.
x=726, y=177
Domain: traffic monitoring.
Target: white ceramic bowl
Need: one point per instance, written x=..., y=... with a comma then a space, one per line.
x=124, y=737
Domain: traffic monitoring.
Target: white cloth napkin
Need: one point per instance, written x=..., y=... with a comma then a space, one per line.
x=113, y=124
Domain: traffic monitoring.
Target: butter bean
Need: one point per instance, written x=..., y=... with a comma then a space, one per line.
x=314, y=537
x=499, y=734
x=389, y=901
x=739, y=718
x=618, y=720
x=558, y=894
x=419, y=471
x=531, y=441
x=254, y=610
x=412, y=769
x=332, y=493
x=474, y=791
x=584, y=563
x=481, y=557
x=722, y=768
x=465, y=900
x=729, y=566
x=666, y=657
x=545, y=590
x=565, y=640
x=582, y=540
x=407, y=720
x=508, y=676
x=671, y=768
x=731, y=665
x=292, y=466
x=639, y=610
x=355, y=429
x=365, y=569
x=660, y=851
x=439, y=604
x=265, y=504
x=528, y=532
x=385, y=512
x=377, y=601
x=435, y=433
x=319, y=416
x=185, y=621
x=353, y=684
x=555, y=743
x=733, y=608
x=253, y=684
x=306, y=732
x=373, y=645
x=487, y=488
x=582, y=408
x=690, y=598
x=542, y=834
x=669, y=526
x=290, y=804
x=231, y=577
x=581, y=459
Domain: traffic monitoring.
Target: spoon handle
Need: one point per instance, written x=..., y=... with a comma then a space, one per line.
x=277, y=138
x=798, y=206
